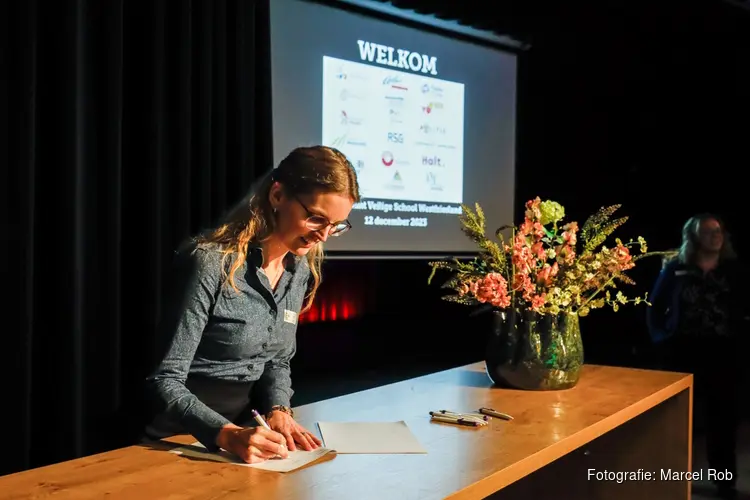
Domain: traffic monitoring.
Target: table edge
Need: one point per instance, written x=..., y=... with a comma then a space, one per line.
x=524, y=467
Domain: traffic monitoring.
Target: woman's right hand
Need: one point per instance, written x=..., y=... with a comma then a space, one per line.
x=252, y=444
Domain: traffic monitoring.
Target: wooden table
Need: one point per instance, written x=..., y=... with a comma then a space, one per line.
x=617, y=420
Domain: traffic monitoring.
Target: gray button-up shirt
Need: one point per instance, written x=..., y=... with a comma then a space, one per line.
x=213, y=331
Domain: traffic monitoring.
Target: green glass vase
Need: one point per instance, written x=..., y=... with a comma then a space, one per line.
x=531, y=351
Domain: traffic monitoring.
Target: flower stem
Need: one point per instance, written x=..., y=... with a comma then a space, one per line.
x=591, y=297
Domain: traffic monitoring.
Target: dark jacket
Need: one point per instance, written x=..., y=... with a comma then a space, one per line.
x=666, y=316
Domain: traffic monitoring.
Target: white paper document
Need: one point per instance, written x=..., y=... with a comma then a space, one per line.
x=369, y=437
x=295, y=460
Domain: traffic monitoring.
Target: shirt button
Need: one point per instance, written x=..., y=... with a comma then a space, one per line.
x=250, y=367
x=264, y=346
x=273, y=312
x=270, y=328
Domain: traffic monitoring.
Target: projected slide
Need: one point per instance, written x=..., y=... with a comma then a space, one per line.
x=426, y=118
x=404, y=132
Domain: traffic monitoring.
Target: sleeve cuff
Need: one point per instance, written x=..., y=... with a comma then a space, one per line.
x=205, y=428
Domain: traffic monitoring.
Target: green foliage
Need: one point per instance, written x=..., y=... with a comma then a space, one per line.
x=599, y=227
x=473, y=223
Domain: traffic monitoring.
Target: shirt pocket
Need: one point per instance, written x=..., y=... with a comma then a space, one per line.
x=234, y=330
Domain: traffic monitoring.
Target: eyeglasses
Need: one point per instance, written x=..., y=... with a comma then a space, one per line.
x=318, y=222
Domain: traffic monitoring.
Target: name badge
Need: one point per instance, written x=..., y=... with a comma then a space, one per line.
x=290, y=317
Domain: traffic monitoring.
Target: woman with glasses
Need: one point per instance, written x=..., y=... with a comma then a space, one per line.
x=697, y=317
x=229, y=331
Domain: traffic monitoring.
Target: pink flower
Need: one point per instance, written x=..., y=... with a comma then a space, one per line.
x=544, y=277
x=569, y=238
x=538, y=301
x=538, y=250
x=532, y=209
x=569, y=233
x=522, y=283
x=538, y=230
x=526, y=227
x=531, y=228
x=493, y=289
x=623, y=258
x=566, y=253
x=523, y=259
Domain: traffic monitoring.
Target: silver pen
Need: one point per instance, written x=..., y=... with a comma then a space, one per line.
x=262, y=421
x=495, y=413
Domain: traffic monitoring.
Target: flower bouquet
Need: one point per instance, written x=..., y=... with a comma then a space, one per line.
x=538, y=282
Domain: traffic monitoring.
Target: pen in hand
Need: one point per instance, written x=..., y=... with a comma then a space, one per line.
x=262, y=421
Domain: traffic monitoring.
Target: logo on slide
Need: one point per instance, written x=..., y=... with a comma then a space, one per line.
x=394, y=101
x=344, y=139
x=432, y=161
x=431, y=179
x=347, y=94
x=396, y=137
x=429, y=129
x=397, y=177
x=431, y=106
x=394, y=82
x=345, y=75
x=431, y=88
x=395, y=116
x=358, y=166
x=339, y=141
x=347, y=119
x=387, y=158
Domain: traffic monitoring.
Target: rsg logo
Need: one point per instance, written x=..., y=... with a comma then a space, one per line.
x=396, y=137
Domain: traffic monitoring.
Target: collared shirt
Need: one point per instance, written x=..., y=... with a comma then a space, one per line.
x=212, y=331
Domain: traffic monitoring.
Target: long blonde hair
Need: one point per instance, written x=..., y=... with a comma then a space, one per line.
x=305, y=171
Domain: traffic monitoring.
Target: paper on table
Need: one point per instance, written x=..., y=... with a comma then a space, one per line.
x=369, y=437
x=296, y=458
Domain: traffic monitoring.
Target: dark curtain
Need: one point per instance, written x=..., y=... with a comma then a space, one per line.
x=126, y=127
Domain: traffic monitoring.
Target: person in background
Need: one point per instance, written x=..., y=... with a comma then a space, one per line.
x=229, y=331
x=698, y=313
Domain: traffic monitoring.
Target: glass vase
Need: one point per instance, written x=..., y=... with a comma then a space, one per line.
x=532, y=351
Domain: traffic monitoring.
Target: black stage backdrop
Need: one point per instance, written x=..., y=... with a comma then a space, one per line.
x=131, y=125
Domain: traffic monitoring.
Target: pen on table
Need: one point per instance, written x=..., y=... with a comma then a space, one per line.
x=262, y=421
x=453, y=420
x=478, y=416
x=495, y=413
x=481, y=419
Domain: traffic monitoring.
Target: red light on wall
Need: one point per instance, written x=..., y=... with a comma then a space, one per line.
x=330, y=310
x=337, y=300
